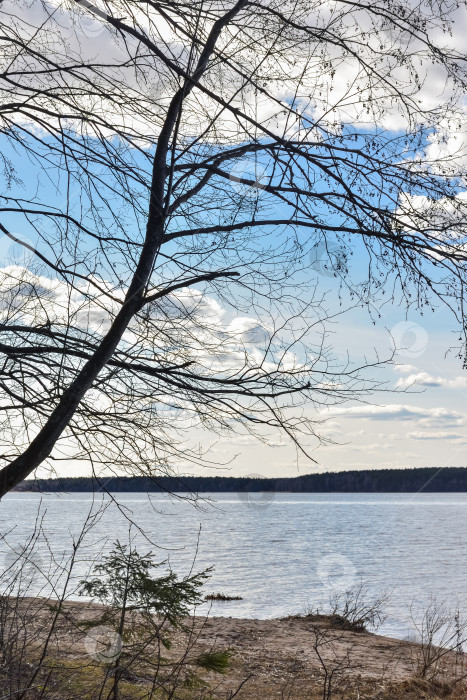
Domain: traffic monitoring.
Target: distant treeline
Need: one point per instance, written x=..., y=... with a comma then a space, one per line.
x=447, y=479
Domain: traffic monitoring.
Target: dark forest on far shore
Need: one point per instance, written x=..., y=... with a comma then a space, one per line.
x=447, y=479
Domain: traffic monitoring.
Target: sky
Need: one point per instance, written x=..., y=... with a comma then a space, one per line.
x=417, y=419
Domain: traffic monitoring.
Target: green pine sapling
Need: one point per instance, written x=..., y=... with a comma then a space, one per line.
x=142, y=608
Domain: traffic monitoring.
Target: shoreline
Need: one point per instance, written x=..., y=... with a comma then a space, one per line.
x=388, y=480
x=273, y=655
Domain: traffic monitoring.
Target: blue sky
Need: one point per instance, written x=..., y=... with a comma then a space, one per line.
x=423, y=424
x=419, y=419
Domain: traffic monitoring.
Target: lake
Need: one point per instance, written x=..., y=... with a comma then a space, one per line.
x=283, y=553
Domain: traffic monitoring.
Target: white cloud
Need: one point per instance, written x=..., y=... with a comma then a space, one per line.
x=447, y=146
x=436, y=435
x=404, y=369
x=444, y=215
x=250, y=331
x=401, y=412
x=338, y=87
x=331, y=428
x=427, y=380
x=191, y=324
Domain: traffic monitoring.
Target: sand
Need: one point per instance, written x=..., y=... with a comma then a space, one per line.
x=279, y=658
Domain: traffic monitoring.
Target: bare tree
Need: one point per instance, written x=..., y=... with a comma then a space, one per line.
x=441, y=634
x=337, y=667
x=155, y=150
x=357, y=609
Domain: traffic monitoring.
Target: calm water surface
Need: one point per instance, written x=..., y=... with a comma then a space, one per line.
x=282, y=553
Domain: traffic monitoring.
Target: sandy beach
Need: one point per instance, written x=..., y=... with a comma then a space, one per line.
x=287, y=659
